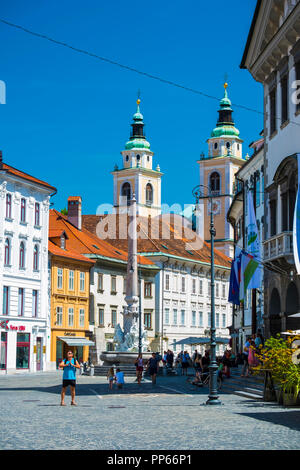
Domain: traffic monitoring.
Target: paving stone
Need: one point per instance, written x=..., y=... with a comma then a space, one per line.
x=170, y=415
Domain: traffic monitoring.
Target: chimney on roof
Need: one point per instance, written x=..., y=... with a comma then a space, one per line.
x=74, y=211
x=1, y=160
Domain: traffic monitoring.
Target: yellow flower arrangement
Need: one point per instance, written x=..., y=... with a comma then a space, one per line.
x=276, y=356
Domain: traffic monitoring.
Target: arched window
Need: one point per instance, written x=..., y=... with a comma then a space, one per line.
x=214, y=182
x=23, y=210
x=126, y=192
x=36, y=258
x=8, y=206
x=22, y=256
x=7, y=252
x=149, y=194
x=37, y=214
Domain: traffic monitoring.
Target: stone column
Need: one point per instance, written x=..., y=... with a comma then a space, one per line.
x=132, y=300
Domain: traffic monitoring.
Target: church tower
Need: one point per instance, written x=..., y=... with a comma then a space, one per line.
x=217, y=171
x=136, y=175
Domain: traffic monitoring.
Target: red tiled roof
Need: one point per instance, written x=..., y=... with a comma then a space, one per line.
x=21, y=174
x=56, y=250
x=85, y=243
x=168, y=234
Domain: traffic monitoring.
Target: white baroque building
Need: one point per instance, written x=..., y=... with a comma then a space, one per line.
x=24, y=282
x=272, y=56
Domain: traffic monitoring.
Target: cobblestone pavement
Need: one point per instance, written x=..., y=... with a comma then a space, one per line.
x=170, y=415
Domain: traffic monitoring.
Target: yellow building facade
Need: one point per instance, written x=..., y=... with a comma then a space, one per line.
x=70, y=280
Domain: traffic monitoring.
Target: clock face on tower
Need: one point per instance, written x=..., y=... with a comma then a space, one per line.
x=216, y=207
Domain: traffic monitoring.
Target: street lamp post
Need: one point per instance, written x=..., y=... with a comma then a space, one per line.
x=213, y=398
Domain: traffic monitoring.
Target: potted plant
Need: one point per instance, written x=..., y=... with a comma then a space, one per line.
x=291, y=385
x=276, y=359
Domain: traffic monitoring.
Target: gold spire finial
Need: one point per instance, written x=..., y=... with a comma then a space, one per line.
x=138, y=101
x=225, y=85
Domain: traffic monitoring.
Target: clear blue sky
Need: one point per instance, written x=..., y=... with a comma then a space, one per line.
x=68, y=116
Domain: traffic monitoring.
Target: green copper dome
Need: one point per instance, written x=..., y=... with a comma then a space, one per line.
x=137, y=144
x=228, y=131
x=225, y=125
x=137, y=138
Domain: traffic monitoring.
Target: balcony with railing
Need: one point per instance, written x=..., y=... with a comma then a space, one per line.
x=279, y=246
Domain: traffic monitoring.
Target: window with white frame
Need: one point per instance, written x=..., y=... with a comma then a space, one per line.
x=59, y=278
x=36, y=258
x=8, y=206
x=217, y=320
x=167, y=281
x=224, y=320
x=182, y=316
x=101, y=316
x=194, y=286
x=100, y=282
x=167, y=316
x=35, y=302
x=59, y=316
x=81, y=316
x=113, y=284
x=175, y=316
x=224, y=291
x=201, y=287
x=21, y=301
x=175, y=283
x=71, y=279
x=200, y=318
x=217, y=289
x=71, y=316
x=193, y=318
x=82, y=282
x=182, y=284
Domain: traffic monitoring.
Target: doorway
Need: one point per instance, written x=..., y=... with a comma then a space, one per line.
x=39, y=354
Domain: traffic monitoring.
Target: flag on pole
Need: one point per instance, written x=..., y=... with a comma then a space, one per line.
x=234, y=285
x=249, y=277
x=296, y=226
x=253, y=247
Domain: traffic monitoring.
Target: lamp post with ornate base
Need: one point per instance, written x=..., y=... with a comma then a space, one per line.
x=213, y=398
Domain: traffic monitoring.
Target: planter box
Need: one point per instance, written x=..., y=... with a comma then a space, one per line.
x=289, y=399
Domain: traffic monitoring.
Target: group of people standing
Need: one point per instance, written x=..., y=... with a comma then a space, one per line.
x=251, y=347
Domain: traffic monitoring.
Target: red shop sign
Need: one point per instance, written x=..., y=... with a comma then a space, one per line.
x=4, y=324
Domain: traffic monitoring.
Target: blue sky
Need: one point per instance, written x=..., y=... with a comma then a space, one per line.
x=67, y=116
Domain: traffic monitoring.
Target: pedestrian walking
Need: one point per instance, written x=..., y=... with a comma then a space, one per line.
x=139, y=368
x=185, y=362
x=245, y=369
x=119, y=378
x=110, y=378
x=69, y=365
x=152, y=366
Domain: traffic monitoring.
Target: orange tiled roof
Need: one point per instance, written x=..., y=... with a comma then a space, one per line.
x=21, y=174
x=56, y=250
x=166, y=236
x=86, y=243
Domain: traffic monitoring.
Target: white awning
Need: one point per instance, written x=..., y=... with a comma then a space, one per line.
x=191, y=340
x=76, y=341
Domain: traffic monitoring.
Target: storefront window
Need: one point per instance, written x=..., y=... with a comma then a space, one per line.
x=3, y=350
x=23, y=350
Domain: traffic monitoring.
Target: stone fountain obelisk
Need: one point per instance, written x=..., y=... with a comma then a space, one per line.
x=126, y=341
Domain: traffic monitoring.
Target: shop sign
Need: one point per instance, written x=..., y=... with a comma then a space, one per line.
x=68, y=333
x=4, y=324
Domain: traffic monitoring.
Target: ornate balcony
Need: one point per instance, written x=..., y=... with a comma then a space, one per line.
x=279, y=246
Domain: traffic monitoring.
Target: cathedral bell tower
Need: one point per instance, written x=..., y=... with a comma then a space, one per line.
x=136, y=175
x=217, y=171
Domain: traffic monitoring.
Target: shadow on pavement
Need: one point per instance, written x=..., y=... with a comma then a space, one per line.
x=102, y=389
x=287, y=418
